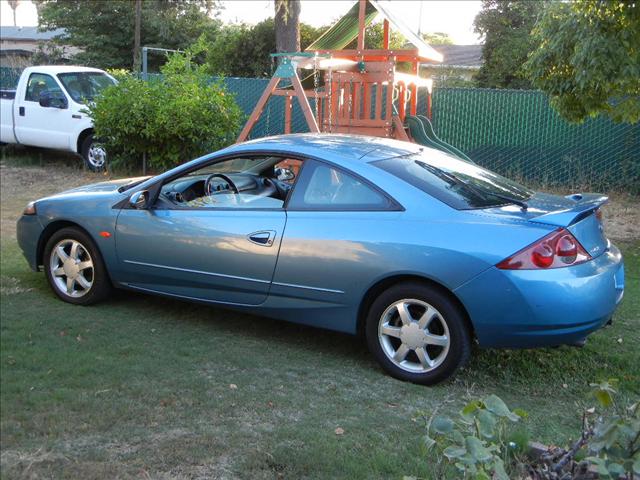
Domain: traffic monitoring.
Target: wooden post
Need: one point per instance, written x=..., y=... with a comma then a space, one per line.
x=361, y=16
x=413, y=108
x=255, y=115
x=402, y=100
x=304, y=105
x=385, y=34
x=287, y=115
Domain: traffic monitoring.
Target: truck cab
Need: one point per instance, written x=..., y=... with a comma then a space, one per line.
x=48, y=109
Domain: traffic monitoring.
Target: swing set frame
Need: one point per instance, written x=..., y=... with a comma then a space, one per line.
x=361, y=86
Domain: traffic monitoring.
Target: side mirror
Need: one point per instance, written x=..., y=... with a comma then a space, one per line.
x=140, y=200
x=53, y=100
x=284, y=174
x=45, y=99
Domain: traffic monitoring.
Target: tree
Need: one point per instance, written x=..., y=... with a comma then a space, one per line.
x=373, y=37
x=104, y=30
x=588, y=59
x=14, y=5
x=242, y=50
x=437, y=38
x=245, y=51
x=137, y=53
x=506, y=26
x=287, y=25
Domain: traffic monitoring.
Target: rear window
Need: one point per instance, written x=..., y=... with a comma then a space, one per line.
x=459, y=184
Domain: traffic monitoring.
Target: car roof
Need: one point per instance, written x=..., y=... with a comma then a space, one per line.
x=332, y=146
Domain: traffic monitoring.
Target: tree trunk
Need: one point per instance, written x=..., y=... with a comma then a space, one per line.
x=136, y=38
x=14, y=5
x=287, y=23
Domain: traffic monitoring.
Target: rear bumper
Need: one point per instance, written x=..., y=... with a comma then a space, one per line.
x=28, y=231
x=535, y=308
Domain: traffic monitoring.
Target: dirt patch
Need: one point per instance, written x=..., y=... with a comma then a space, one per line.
x=622, y=218
x=20, y=185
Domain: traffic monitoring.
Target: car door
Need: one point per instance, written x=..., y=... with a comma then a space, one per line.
x=221, y=254
x=338, y=227
x=42, y=126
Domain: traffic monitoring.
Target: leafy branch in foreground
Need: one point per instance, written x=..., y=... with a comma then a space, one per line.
x=485, y=442
x=479, y=441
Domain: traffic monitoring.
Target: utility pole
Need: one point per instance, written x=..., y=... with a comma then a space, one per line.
x=136, y=37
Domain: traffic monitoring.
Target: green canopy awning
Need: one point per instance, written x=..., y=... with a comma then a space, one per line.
x=346, y=30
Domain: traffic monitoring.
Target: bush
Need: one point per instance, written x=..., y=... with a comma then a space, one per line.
x=172, y=119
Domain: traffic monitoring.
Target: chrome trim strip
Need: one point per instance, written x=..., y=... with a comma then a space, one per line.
x=185, y=297
x=318, y=289
x=197, y=271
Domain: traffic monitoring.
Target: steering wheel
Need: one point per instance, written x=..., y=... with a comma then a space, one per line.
x=207, y=184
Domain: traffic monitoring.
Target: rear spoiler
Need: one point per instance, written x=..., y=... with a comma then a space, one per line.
x=584, y=206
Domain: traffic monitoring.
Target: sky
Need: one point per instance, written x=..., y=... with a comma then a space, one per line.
x=454, y=17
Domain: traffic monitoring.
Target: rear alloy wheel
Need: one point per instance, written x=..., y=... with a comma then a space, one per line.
x=74, y=268
x=417, y=333
x=94, y=154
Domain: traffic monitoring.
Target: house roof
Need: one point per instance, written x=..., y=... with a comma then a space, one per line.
x=464, y=56
x=28, y=33
x=346, y=29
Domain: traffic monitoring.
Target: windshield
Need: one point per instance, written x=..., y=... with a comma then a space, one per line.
x=459, y=184
x=84, y=87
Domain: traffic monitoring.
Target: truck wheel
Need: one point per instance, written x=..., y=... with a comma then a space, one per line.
x=94, y=154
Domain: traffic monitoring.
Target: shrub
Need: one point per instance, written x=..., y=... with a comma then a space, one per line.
x=174, y=118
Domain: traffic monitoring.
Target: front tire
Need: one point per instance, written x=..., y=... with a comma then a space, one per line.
x=417, y=333
x=94, y=154
x=74, y=268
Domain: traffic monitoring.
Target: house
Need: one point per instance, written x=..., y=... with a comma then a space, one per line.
x=18, y=44
x=460, y=64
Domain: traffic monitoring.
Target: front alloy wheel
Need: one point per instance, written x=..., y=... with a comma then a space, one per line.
x=74, y=267
x=418, y=333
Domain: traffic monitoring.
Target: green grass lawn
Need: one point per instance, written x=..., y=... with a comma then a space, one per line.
x=143, y=387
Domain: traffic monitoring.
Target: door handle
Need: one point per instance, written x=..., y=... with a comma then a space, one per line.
x=263, y=238
x=21, y=111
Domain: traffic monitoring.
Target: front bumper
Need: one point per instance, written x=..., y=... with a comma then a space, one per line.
x=536, y=308
x=28, y=232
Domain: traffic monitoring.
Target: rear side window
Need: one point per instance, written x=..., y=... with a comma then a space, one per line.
x=326, y=188
x=39, y=83
x=459, y=184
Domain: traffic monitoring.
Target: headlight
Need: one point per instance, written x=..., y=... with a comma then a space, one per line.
x=30, y=209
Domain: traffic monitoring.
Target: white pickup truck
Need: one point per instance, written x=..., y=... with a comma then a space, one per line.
x=47, y=109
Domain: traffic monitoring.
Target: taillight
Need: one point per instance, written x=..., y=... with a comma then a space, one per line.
x=558, y=249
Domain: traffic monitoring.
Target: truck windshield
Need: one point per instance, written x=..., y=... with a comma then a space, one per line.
x=84, y=87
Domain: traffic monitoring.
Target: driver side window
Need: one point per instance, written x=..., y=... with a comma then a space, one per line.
x=39, y=83
x=262, y=182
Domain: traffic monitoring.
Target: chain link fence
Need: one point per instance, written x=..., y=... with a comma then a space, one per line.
x=513, y=132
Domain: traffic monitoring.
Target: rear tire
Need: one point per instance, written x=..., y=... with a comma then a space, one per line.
x=74, y=268
x=417, y=333
x=94, y=154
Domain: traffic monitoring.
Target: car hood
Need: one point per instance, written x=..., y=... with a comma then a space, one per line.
x=110, y=186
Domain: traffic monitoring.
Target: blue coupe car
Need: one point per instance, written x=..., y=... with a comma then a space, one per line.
x=418, y=251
